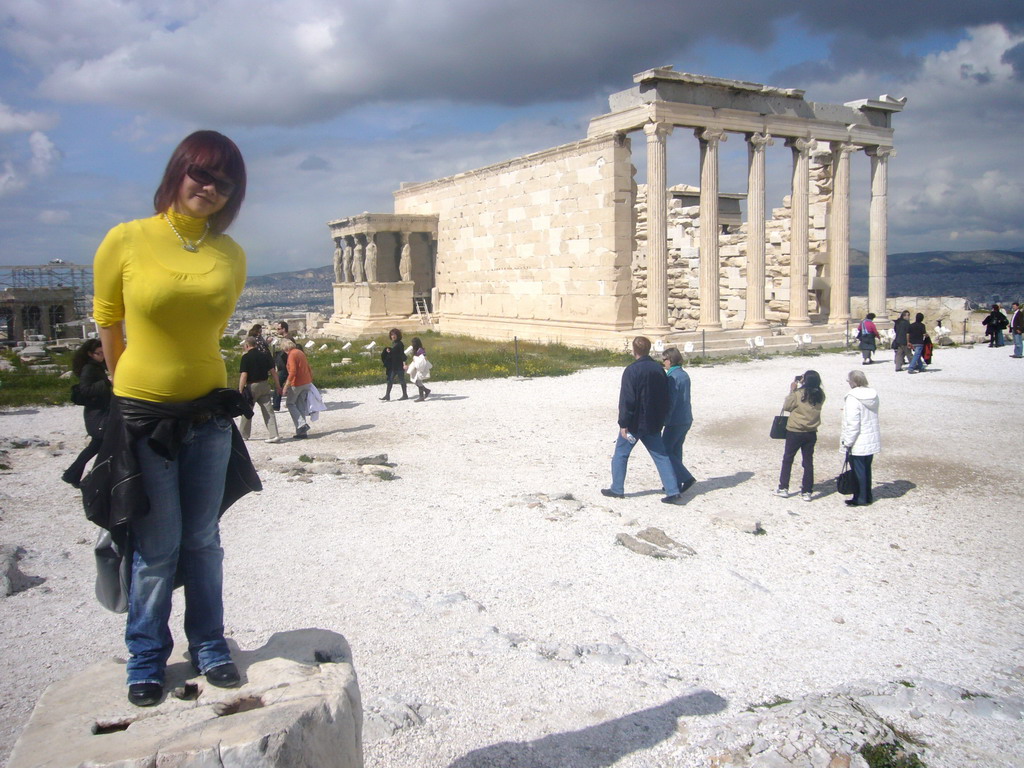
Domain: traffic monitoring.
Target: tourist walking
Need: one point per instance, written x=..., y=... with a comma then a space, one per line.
x=917, y=335
x=393, y=358
x=170, y=282
x=1017, y=330
x=643, y=406
x=861, y=436
x=256, y=334
x=419, y=369
x=803, y=403
x=995, y=323
x=94, y=394
x=867, y=335
x=258, y=378
x=899, y=341
x=680, y=416
x=296, y=386
x=281, y=360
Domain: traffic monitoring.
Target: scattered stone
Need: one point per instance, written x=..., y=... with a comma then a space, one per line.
x=741, y=520
x=659, y=538
x=379, y=459
x=292, y=711
x=387, y=715
x=653, y=542
x=12, y=580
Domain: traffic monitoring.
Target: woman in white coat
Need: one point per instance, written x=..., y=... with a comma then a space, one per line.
x=861, y=436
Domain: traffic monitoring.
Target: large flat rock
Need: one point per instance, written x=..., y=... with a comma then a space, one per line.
x=298, y=706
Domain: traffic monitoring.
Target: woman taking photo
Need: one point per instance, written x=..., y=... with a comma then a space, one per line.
x=169, y=283
x=94, y=389
x=861, y=436
x=804, y=405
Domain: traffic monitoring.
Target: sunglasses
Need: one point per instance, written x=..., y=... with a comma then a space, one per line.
x=205, y=178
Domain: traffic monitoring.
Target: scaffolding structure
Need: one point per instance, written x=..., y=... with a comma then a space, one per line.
x=53, y=275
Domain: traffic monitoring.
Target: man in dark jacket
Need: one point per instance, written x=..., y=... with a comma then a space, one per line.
x=643, y=406
x=916, y=333
x=899, y=342
x=1017, y=329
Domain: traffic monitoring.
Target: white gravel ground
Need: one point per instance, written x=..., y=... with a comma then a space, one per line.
x=501, y=621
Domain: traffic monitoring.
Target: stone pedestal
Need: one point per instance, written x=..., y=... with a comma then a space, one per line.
x=298, y=707
x=368, y=308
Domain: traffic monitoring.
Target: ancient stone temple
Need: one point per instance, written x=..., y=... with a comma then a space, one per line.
x=563, y=245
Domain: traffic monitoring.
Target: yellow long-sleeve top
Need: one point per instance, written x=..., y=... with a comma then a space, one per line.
x=175, y=305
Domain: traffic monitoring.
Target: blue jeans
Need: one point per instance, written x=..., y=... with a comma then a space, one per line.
x=916, y=363
x=861, y=466
x=1000, y=341
x=656, y=447
x=673, y=436
x=180, y=531
x=1018, y=344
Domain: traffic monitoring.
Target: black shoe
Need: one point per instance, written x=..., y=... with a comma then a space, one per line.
x=404, y=397
x=145, y=694
x=385, y=398
x=223, y=676
x=687, y=485
x=426, y=393
x=303, y=430
x=671, y=499
x=613, y=494
x=852, y=503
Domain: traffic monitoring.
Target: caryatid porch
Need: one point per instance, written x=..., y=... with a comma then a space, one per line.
x=383, y=264
x=663, y=99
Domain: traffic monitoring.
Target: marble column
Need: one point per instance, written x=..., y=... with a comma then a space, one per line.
x=798, y=232
x=405, y=259
x=657, y=227
x=839, y=234
x=879, y=228
x=756, y=143
x=710, y=312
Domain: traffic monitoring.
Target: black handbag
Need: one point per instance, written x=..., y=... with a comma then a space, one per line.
x=779, y=424
x=846, y=483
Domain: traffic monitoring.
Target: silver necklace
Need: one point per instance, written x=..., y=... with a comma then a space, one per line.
x=188, y=245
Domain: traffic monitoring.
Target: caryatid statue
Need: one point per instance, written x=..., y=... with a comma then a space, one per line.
x=371, y=260
x=405, y=261
x=358, y=275
x=339, y=271
x=346, y=263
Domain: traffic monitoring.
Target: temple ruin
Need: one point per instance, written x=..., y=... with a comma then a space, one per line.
x=563, y=245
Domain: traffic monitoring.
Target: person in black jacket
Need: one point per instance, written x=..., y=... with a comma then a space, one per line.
x=393, y=358
x=643, y=406
x=94, y=386
x=899, y=342
x=916, y=334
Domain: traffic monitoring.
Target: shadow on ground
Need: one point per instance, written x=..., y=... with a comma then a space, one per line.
x=598, y=745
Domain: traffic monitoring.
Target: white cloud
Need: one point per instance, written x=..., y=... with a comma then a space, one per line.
x=10, y=179
x=45, y=154
x=53, y=217
x=18, y=122
x=959, y=171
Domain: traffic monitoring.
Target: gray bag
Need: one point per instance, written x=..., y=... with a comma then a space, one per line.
x=113, y=573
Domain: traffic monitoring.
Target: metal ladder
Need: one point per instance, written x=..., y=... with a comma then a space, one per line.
x=420, y=305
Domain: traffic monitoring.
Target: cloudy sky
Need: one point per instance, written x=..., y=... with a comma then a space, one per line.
x=336, y=102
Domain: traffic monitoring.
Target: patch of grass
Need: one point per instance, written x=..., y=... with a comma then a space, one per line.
x=890, y=755
x=306, y=459
x=384, y=474
x=968, y=695
x=906, y=683
x=776, y=701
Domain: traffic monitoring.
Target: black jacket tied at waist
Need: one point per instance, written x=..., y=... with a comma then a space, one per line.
x=113, y=492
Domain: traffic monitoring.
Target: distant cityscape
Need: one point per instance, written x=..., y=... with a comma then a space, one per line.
x=983, y=277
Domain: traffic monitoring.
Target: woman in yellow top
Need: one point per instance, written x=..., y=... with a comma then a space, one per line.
x=165, y=287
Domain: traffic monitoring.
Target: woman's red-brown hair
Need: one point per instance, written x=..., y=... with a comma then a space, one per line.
x=211, y=151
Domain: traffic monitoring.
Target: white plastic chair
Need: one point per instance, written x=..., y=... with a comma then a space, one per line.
x=309, y=344
x=369, y=347
x=688, y=348
x=759, y=342
x=798, y=340
x=347, y=345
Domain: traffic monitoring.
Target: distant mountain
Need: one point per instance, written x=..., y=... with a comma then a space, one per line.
x=981, y=276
